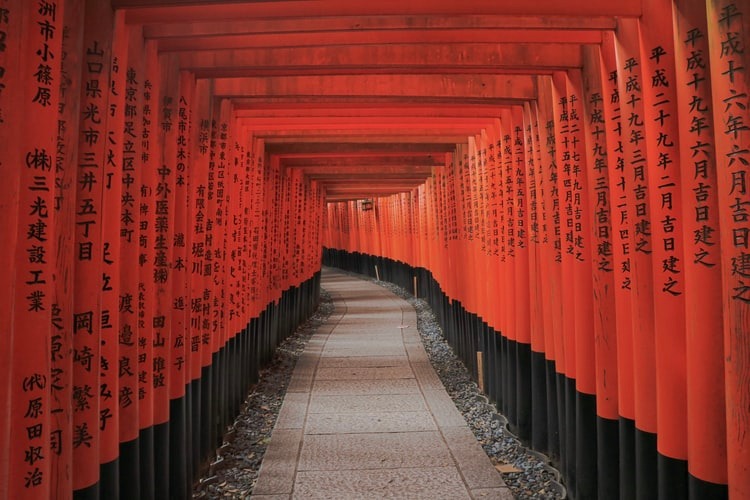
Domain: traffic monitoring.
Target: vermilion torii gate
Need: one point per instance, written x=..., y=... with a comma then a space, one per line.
x=566, y=180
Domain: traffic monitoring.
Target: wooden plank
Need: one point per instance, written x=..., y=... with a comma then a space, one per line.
x=458, y=86
x=369, y=23
x=141, y=11
x=431, y=36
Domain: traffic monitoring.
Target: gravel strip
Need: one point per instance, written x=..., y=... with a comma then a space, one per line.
x=238, y=460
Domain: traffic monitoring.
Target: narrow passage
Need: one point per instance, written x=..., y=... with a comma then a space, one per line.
x=365, y=415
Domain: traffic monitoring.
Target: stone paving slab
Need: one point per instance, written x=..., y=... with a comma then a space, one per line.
x=357, y=423
x=293, y=411
x=366, y=387
x=365, y=415
x=363, y=362
x=373, y=451
x=367, y=351
x=445, y=412
x=477, y=471
x=279, y=463
x=365, y=403
x=420, y=483
x=365, y=373
x=416, y=353
x=426, y=376
x=493, y=493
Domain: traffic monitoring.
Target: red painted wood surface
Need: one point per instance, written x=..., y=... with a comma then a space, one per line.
x=631, y=88
x=147, y=237
x=89, y=248
x=599, y=164
x=728, y=27
x=706, y=422
x=10, y=84
x=34, y=91
x=130, y=215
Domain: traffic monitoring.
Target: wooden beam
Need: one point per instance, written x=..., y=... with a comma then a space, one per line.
x=366, y=171
x=369, y=189
x=367, y=181
x=307, y=101
x=405, y=36
x=395, y=58
x=456, y=86
x=371, y=23
x=338, y=149
x=358, y=123
x=412, y=161
x=271, y=110
x=435, y=140
x=149, y=11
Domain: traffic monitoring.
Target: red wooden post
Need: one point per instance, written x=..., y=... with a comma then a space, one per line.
x=728, y=31
x=32, y=87
x=550, y=259
x=222, y=220
x=128, y=334
x=475, y=236
x=495, y=226
x=631, y=85
x=566, y=351
x=109, y=417
x=663, y=153
x=706, y=417
x=162, y=274
x=61, y=341
x=184, y=168
x=453, y=230
x=622, y=249
x=585, y=370
x=509, y=268
x=472, y=237
x=521, y=274
x=535, y=183
x=208, y=328
x=460, y=232
x=90, y=249
x=179, y=369
x=198, y=215
x=563, y=155
x=257, y=193
x=482, y=227
x=150, y=160
x=10, y=85
x=599, y=165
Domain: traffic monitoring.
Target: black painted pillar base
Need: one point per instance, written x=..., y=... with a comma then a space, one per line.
x=699, y=489
x=586, y=447
x=607, y=456
x=646, y=477
x=538, y=402
x=147, y=464
x=130, y=473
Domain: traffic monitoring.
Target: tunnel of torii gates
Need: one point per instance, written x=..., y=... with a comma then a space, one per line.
x=566, y=182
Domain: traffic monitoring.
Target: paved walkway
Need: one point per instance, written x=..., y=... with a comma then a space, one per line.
x=366, y=416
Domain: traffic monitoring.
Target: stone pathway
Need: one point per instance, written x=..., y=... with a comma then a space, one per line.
x=365, y=415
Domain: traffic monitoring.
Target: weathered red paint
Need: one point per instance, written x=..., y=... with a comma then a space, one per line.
x=728, y=28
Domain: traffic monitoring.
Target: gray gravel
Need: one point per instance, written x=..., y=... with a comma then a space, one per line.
x=235, y=471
